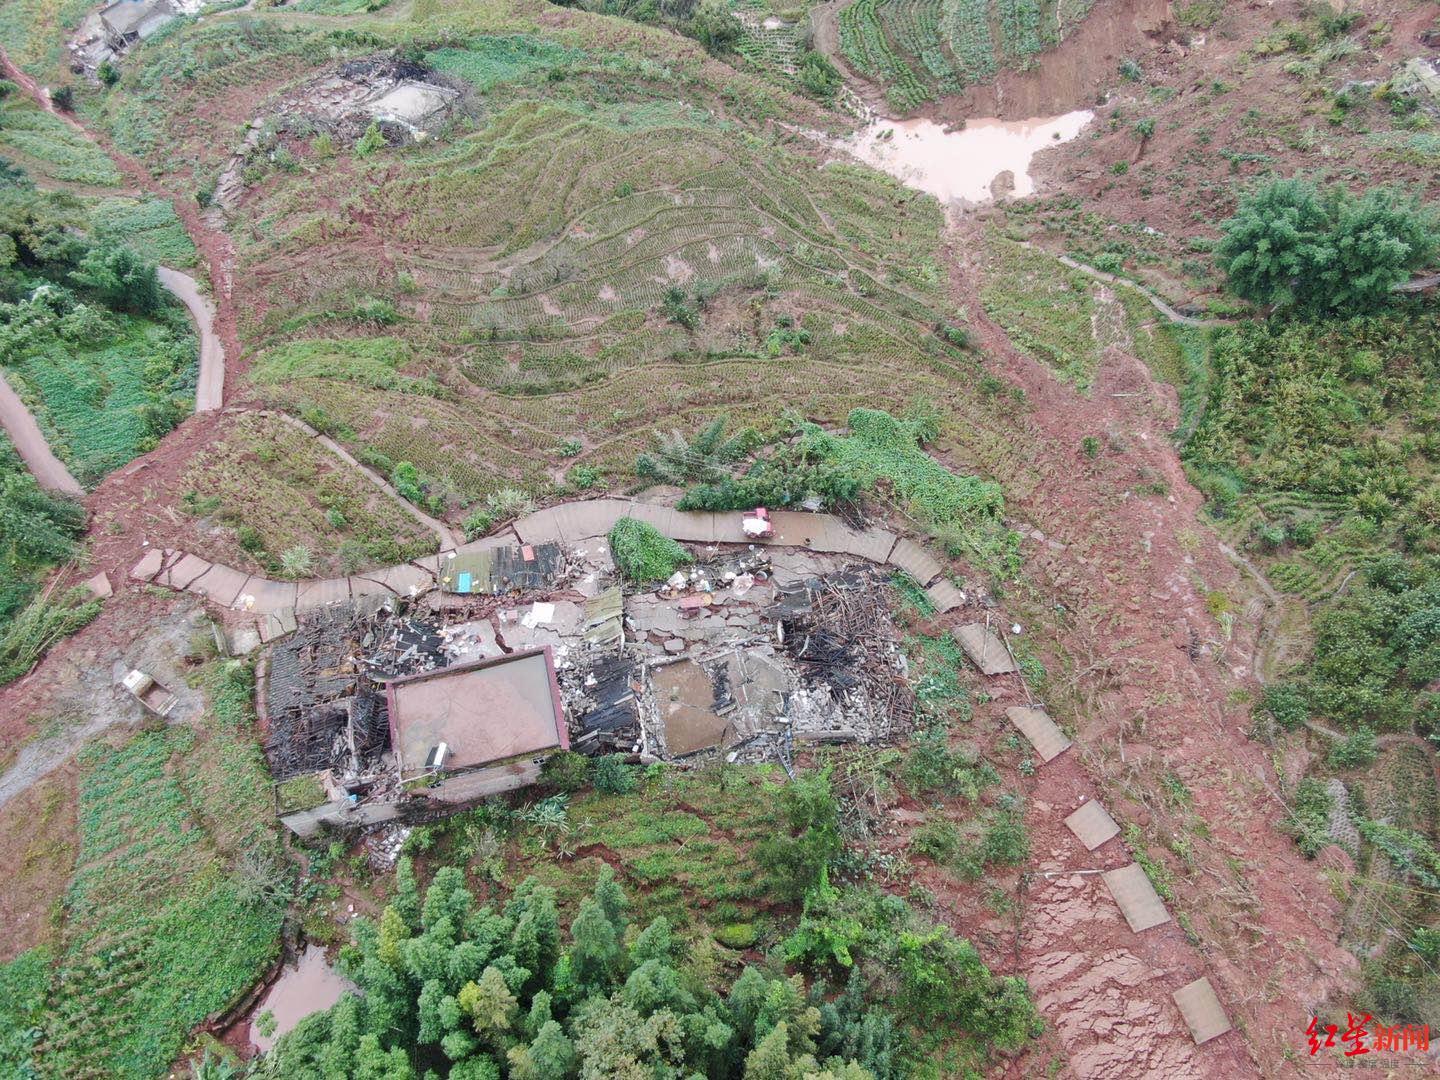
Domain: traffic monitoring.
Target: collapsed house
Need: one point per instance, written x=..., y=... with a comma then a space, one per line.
x=107, y=34
x=475, y=714
x=410, y=707
x=405, y=101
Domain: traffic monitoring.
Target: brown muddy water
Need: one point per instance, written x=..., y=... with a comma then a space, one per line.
x=309, y=987
x=961, y=166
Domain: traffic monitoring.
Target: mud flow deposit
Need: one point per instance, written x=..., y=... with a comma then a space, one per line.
x=963, y=165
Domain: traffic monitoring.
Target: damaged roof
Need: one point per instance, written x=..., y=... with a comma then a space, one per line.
x=483, y=712
x=504, y=569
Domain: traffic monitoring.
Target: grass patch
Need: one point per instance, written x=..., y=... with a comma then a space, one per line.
x=683, y=843
x=149, y=226
x=642, y=553
x=51, y=148
x=1045, y=308
x=279, y=490
x=158, y=929
x=485, y=62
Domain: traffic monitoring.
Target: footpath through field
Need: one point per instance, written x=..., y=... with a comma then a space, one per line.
x=275, y=603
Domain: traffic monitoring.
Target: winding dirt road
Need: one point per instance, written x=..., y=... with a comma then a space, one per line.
x=210, y=385
x=30, y=444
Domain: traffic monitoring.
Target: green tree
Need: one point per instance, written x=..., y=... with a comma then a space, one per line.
x=121, y=278
x=595, y=948
x=1278, y=239
x=1377, y=241
x=550, y=1057
x=1291, y=245
x=797, y=860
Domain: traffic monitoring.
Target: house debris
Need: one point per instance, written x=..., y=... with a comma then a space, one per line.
x=521, y=568
x=107, y=34
x=475, y=714
x=520, y=650
x=407, y=103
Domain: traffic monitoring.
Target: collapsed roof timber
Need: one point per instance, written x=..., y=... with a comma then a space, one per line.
x=410, y=708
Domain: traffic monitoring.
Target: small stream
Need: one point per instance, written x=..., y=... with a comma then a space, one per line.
x=961, y=166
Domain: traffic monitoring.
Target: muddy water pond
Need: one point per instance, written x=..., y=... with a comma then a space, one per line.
x=962, y=165
x=309, y=987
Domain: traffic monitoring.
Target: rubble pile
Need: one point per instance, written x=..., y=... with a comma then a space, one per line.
x=741, y=656
x=601, y=702
x=834, y=629
x=407, y=103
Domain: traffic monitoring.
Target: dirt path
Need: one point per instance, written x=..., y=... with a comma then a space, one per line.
x=1159, y=304
x=30, y=444
x=1159, y=690
x=210, y=385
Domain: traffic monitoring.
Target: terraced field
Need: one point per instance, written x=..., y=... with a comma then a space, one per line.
x=922, y=49
x=656, y=251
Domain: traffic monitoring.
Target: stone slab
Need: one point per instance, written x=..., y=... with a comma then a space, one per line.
x=1093, y=824
x=1044, y=734
x=220, y=584
x=99, y=586
x=401, y=579
x=149, y=565
x=1139, y=902
x=539, y=527
x=873, y=545
x=482, y=783
x=268, y=596
x=945, y=596
x=315, y=594
x=985, y=649
x=583, y=520
x=184, y=572
x=1202, y=1010
x=828, y=533
x=360, y=586
x=915, y=561
x=730, y=529
x=277, y=624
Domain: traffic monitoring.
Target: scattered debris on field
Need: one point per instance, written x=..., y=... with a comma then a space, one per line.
x=405, y=707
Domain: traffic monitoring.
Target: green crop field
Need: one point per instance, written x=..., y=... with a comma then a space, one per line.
x=148, y=226
x=504, y=326
x=161, y=926
x=921, y=49
x=104, y=401
x=49, y=149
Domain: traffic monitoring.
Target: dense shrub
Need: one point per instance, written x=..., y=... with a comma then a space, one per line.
x=1309, y=818
x=611, y=775
x=642, y=553
x=1355, y=752
x=934, y=977
x=1293, y=245
x=447, y=988
x=799, y=857
x=1377, y=646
